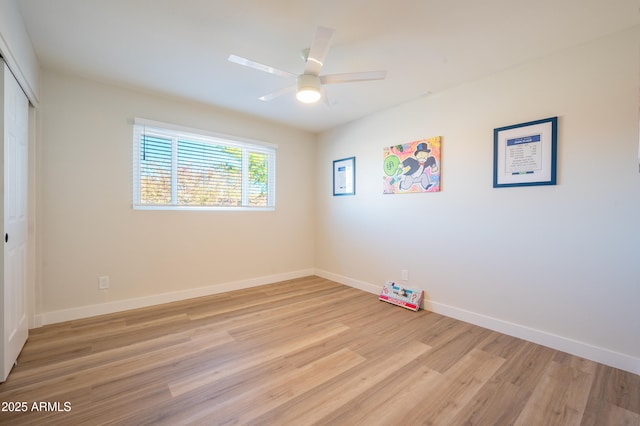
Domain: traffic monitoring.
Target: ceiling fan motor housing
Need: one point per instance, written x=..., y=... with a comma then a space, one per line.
x=308, y=88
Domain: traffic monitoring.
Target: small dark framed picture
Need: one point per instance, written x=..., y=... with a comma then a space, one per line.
x=344, y=176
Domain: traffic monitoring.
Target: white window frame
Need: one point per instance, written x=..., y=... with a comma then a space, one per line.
x=144, y=126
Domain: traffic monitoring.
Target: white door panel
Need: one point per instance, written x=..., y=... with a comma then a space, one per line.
x=14, y=118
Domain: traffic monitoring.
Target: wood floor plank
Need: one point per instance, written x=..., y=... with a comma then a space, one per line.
x=197, y=379
x=270, y=394
x=107, y=366
x=460, y=383
x=618, y=387
x=496, y=403
x=605, y=413
x=370, y=406
x=303, y=351
x=559, y=399
x=177, y=410
x=501, y=345
x=526, y=367
x=311, y=408
x=449, y=351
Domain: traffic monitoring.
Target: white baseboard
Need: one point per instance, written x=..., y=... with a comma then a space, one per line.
x=157, y=299
x=360, y=285
x=565, y=344
x=561, y=343
x=37, y=321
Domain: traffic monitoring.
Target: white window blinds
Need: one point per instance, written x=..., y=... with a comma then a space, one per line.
x=174, y=168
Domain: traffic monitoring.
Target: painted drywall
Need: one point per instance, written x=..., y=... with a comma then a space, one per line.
x=16, y=48
x=89, y=229
x=560, y=260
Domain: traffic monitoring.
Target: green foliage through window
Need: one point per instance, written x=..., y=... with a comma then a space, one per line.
x=177, y=169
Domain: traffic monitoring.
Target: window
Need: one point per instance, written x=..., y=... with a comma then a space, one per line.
x=178, y=168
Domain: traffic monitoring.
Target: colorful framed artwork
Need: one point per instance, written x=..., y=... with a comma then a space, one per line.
x=344, y=176
x=525, y=154
x=412, y=167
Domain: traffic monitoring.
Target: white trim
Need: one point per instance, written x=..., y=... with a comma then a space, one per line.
x=360, y=285
x=37, y=321
x=190, y=131
x=16, y=70
x=201, y=208
x=554, y=341
x=561, y=343
x=141, y=302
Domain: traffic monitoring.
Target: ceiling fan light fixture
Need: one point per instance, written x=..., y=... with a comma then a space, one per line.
x=308, y=88
x=309, y=83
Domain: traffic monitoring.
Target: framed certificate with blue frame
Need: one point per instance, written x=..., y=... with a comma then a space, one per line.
x=525, y=154
x=344, y=176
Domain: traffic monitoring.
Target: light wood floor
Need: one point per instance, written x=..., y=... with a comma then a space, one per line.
x=306, y=351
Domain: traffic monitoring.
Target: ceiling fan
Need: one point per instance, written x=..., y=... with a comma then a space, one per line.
x=309, y=83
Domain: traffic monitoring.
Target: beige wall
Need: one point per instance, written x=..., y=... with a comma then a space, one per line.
x=88, y=227
x=558, y=264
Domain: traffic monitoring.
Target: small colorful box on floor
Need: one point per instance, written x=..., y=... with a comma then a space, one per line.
x=402, y=296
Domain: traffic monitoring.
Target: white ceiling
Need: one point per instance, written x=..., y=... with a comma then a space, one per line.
x=180, y=47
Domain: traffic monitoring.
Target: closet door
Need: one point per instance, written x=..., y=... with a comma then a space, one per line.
x=14, y=113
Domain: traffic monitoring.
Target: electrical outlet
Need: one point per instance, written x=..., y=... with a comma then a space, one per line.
x=103, y=282
x=405, y=275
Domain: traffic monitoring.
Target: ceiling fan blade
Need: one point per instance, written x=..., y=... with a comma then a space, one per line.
x=318, y=50
x=257, y=65
x=353, y=76
x=328, y=99
x=277, y=93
